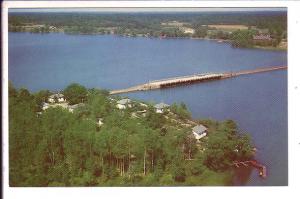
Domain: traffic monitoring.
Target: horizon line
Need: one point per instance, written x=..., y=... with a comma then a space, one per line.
x=145, y=10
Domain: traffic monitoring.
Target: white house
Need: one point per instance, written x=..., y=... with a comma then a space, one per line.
x=45, y=106
x=99, y=121
x=60, y=98
x=199, y=131
x=161, y=107
x=123, y=104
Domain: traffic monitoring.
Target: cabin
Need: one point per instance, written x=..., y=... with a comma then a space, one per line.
x=161, y=107
x=123, y=104
x=187, y=30
x=58, y=97
x=199, y=131
x=99, y=121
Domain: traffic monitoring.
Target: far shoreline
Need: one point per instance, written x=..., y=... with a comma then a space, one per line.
x=154, y=37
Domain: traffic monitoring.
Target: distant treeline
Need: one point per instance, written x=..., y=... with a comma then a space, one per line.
x=142, y=20
x=154, y=24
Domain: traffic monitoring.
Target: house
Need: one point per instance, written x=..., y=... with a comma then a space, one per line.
x=199, y=131
x=123, y=104
x=161, y=107
x=58, y=97
x=187, y=30
x=52, y=28
x=262, y=40
x=99, y=121
x=45, y=106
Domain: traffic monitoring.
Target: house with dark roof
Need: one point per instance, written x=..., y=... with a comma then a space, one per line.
x=199, y=131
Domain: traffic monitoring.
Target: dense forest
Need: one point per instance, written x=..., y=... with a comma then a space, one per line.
x=56, y=147
x=190, y=25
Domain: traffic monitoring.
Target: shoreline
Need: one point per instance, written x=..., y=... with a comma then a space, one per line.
x=172, y=122
x=157, y=37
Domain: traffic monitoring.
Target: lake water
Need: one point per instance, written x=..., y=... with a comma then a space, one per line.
x=258, y=103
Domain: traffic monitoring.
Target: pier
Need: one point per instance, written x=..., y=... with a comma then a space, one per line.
x=261, y=168
x=191, y=79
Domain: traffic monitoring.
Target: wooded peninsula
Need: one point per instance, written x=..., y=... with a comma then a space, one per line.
x=242, y=29
x=86, y=137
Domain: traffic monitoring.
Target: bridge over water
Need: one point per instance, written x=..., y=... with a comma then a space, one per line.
x=191, y=79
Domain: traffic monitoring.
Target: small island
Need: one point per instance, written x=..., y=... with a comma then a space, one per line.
x=86, y=137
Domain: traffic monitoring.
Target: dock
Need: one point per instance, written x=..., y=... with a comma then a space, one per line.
x=191, y=79
x=261, y=168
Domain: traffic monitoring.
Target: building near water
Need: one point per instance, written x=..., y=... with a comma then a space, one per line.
x=199, y=131
x=161, y=107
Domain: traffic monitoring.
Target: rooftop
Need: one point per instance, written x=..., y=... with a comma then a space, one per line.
x=124, y=101
x=58, y=95
x=199, y=129
x=161, y=105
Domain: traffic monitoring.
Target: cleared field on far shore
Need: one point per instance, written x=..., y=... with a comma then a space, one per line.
x=229, y=27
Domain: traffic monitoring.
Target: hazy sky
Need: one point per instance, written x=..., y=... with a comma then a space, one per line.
x=147, y=0
x=143, y=9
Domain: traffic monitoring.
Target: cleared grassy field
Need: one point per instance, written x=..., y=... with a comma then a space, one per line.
x=229, y=27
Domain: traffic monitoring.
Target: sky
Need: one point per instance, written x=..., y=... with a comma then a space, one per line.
x=146, y=0
x=143, y=9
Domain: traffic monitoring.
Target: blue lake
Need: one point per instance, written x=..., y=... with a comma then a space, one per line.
x=258, y=102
